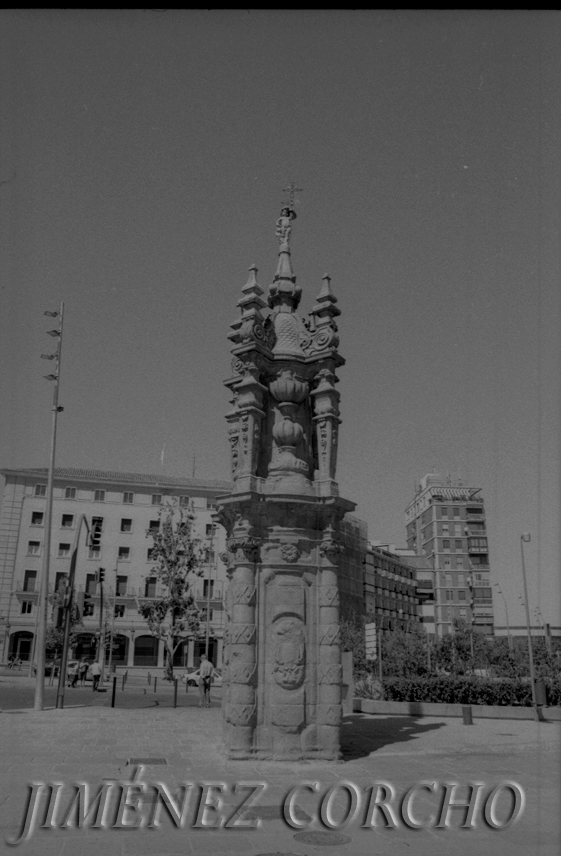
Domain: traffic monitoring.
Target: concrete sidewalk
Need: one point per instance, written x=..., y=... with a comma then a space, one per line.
x=95, y=743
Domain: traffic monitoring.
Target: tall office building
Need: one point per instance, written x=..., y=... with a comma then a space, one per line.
x=446, y=525
x=127, y=506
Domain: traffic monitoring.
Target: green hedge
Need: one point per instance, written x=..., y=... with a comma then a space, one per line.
x=466, y=690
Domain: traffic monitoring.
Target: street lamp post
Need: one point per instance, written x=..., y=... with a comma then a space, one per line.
x=207, y=641
x=497, y=586
x=42, y=601
x=524, y=539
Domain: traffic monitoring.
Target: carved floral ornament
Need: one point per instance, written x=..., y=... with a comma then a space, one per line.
x=331, y=548
x=289, y=552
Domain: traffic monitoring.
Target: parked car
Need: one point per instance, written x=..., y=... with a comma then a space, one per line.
x=193, y=678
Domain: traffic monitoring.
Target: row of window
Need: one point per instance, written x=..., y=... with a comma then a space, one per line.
x=67, y=522
x=99, y=495
x=64, y=548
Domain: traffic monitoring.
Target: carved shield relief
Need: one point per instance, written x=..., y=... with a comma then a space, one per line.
x=289, y=651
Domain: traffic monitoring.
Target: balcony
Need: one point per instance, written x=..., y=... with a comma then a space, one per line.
x=483, y=549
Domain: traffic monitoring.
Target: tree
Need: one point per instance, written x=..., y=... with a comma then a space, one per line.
x=174, y=616
x=405, y=654
x=54, y=638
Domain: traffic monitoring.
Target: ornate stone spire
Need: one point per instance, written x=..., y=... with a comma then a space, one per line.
x=284, y=293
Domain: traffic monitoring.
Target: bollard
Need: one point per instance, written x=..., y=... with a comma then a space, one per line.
x=155, y=682
x=114, y=691
x=149, y=678
x=466, y=714
x=126, y=675
x=175, y=693
x=123, y=682
x=186, y=684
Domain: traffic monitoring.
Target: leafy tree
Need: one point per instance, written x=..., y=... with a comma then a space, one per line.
x=54, y=638
x=405, y=654
x=173, y=616
x=351, y=629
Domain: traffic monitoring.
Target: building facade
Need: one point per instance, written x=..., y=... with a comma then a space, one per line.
x=446, y=525
x=127, y=505
x=390, y=589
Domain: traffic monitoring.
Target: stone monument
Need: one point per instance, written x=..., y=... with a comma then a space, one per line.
x=282, y=656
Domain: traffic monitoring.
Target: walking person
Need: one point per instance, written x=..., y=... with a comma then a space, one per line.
x=96, y=674
x=205, y=677
x=83, y=669
x=73, y=673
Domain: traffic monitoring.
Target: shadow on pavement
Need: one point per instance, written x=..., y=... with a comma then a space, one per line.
x=362, y=734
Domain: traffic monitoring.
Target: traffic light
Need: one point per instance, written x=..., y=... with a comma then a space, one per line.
x=101, y=574
x=95, y=534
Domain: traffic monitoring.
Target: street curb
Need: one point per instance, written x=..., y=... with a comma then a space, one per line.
x=479, y=711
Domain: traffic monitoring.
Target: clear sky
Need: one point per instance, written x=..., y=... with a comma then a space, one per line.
x=143, y=156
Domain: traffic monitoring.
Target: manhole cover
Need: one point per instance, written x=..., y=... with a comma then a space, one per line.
x=323, y=839
x=271, y=812
x=148, y=761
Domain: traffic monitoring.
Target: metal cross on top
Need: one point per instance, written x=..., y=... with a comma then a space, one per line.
x=292, y=190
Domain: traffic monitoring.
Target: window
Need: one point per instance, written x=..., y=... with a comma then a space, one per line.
x=149, y=554
x=60, y=579
x=88, y=609
x=33, y=548
x=456, y=512
x=184, y=500
x=208, y=530
x=29, y=580
x=67, y=521
x=63, y=551
x=128, y=498
x=150, y=587
x=70, y=493
x=156, y=499
x=124, y=554
x=91, y=583
x=36, y=518
x=457, y=529
x=126, y=524
x=446, y=544
x=445, y=529
x=122, y=585
x=479, y=576
x=205, y=588
x=119, y=610
x=40, y=490
x=99, y=496
x=458, y=544
x=462, y=595
x=94, y=553
x=26, y=607
x=444, y=511
x=448, y=595
x=447, y=563
x=459, y=561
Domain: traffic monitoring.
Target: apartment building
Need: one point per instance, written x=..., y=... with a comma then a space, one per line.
x=127, y=506
x=390, y=589
x=446, y=525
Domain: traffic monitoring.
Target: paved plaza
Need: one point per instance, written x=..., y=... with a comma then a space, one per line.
x=93, y=743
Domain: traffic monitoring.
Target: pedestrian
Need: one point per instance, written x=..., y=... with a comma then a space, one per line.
x=205, y=678
x=83, y=669
x=11, y=659
x=17, y=663
x=95, y=669
x=74, y=673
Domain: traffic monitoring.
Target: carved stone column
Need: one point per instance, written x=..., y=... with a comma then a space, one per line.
x=240, y=655
x=329, y=710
